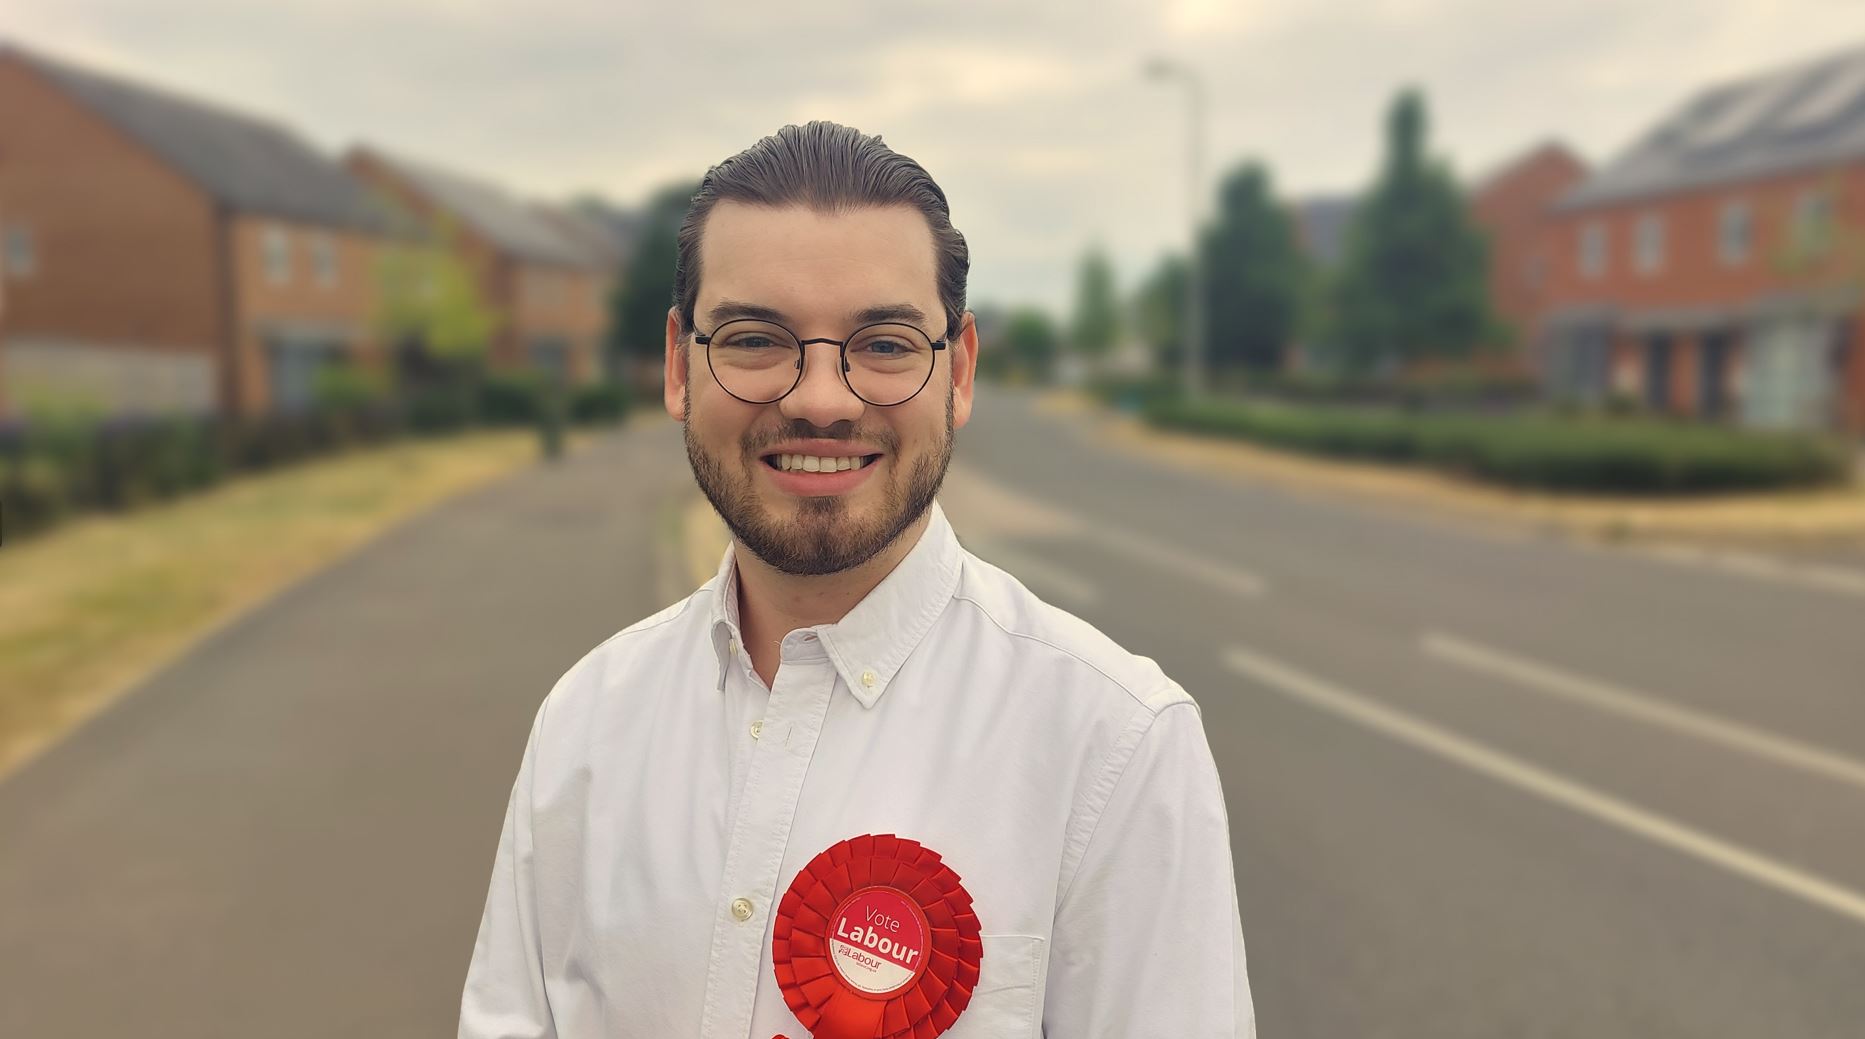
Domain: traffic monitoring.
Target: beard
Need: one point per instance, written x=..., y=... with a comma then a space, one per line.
x=823, y=537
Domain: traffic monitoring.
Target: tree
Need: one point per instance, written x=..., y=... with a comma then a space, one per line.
x=1253, y=276
x=1159, y=312
x=638, y=305
x=427, y=303
x=1096, y=323
x=1033, y=343
x=1413, y=284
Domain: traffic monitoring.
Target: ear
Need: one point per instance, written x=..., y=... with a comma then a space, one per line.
x=673, y=386
x=964, y=351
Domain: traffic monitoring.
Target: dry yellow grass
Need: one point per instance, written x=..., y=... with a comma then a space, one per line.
x=1834, y=515
x=91, y=608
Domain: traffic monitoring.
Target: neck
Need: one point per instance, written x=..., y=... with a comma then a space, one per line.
x=772, y=604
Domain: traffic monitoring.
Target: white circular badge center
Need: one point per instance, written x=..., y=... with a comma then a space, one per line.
x=877, y=941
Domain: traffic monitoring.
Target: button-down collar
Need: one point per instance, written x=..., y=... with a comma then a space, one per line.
x=869, y=644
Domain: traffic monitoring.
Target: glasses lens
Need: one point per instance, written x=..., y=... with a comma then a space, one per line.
x=889, y=363
x=754, y=360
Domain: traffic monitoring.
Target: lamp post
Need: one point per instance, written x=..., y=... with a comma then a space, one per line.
x=1166, y=69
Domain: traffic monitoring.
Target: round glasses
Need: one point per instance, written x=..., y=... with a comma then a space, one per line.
x=760, y=362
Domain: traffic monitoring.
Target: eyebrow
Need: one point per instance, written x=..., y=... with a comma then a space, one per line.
x=732, y=310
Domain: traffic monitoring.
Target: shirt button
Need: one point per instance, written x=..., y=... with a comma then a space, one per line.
x=867, y=678
x=757, y=728
x=741, y=909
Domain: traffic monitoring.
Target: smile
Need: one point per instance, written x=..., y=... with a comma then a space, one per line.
x=818, y=464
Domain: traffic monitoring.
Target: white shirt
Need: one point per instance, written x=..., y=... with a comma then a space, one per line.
x=1067, y=781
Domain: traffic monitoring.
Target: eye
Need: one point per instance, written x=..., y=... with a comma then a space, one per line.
x=752, y=341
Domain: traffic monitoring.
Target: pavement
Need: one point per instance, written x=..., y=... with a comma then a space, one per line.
x=1480, y=782
x=289, y=832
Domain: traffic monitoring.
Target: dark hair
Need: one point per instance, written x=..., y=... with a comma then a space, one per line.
x=830, y=168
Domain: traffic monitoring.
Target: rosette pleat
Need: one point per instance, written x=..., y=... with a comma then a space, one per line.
x=946, y=969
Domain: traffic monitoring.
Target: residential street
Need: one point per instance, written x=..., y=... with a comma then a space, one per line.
x=1479, y=784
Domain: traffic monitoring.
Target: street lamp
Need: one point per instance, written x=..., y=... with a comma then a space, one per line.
x=1166, y=69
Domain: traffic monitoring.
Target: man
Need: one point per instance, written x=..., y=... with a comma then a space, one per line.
x=860, y=779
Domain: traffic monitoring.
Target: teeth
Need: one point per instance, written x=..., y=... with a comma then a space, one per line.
x=816, y=464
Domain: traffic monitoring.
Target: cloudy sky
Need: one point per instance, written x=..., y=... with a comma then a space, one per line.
x=1035, y=118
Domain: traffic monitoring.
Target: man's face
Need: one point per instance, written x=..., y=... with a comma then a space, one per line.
x=818, y=272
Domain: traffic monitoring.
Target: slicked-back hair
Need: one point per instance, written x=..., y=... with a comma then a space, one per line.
x=829, y=168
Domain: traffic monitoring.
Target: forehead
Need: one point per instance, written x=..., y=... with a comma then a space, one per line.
x=817, y=266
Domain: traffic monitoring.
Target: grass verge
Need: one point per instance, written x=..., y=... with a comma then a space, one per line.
x=90, y=609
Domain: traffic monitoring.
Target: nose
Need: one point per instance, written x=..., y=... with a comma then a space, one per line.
x=822, y=398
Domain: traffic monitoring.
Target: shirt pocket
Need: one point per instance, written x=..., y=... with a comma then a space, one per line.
x=1004, y=1005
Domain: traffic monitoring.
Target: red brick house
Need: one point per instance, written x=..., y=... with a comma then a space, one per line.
x=1715, y=268
x=1511, y=205
x=546, y=273
x=165, y=254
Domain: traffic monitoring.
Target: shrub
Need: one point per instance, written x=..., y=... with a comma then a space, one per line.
x=349, y=387
x=1135, y=392
x=603, y=401
x=1549, y=452
x=439, y=408
x=511, y=398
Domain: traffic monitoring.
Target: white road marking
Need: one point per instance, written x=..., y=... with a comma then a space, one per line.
x=1550, y=786
x=1645, y=708
x=1030, y=570
x=1823, y=576
x=1834, y=578
x=1186, y=564
x=988, y=510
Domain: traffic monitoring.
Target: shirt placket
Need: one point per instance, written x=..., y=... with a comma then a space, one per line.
x=761, y=825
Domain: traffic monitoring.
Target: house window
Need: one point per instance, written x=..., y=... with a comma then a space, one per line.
x=277, y=255
x=1734, y=231
x=324, y=259
x=1812, y=229
x=21, y=259
x=1593, y=249
x=1648, y=244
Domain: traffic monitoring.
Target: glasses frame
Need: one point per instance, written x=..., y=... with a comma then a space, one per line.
x=705, y=339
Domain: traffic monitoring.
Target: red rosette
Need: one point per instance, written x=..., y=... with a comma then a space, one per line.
x=876, y=939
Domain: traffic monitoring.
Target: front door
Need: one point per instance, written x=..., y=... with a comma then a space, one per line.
x=1713, y=374
x=1658, y=372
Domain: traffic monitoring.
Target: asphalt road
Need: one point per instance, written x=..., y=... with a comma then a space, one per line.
x=1479, y=785
x=1482, y=785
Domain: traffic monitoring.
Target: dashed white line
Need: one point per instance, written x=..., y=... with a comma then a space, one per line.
x=1756, y=567
x=1186, y=564
x=1035, y=571
x=1548, y=785
x=1651, y=710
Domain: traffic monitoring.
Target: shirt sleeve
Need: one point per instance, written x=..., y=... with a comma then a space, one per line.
x=1147, y=939
x=504, y=996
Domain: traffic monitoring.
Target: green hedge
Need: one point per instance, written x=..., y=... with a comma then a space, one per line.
x=1538, y=451
x=1457, y=390
x=512, y=398
x=599, y=402
x=61, y=463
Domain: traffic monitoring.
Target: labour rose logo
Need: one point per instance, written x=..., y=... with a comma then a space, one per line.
x=876, y=939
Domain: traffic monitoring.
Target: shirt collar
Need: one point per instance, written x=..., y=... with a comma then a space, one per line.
x=869, y=645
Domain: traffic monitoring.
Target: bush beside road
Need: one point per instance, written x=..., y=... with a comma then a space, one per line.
x=1833, y=514
x=1584, y=454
